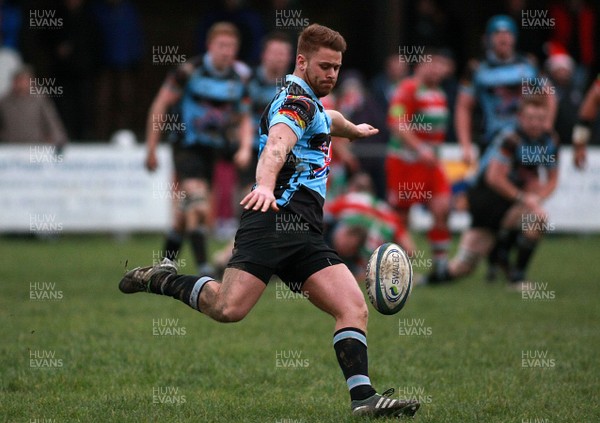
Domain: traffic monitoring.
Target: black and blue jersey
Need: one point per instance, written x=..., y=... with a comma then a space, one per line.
x=302, y=181
x=498, y=88
x=211, y=103
x=525, y=156
x=261, y=92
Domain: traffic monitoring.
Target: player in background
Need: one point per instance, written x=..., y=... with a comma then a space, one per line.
x=207, y=97
x=290, y=187
x=582, y=131
x=357, y=222
x=417, y=121
x=496, y=86
x=267, y=79
x=508, y=195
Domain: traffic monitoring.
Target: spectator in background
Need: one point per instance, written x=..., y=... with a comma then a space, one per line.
x=430, y=26
x=28, y=117
x=247, y=20
x=582, y=132
x=75, y=50
x=121, y=29
x=10, y=62
x=10, y=24
x=574, y=30
x=355, y=102
x=384, y=84
x=560, y=68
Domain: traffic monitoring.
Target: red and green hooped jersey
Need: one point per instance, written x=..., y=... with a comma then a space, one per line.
x=364, y=210
x=420, y=109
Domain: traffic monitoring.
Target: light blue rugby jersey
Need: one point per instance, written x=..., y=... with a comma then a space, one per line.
x=261, y=92
x=524, y=155
x=498, y=87
x=302, y=182
x=210, y=104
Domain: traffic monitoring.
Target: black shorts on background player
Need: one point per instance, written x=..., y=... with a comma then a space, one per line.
x=193, y=162
x=487, y=207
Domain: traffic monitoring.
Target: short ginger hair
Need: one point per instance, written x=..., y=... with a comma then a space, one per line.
x=316, y=36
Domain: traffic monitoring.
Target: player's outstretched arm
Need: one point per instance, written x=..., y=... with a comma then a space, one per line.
x=280, y=142
x=342, y=127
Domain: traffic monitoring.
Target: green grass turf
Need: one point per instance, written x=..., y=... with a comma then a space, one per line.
x=466, y=366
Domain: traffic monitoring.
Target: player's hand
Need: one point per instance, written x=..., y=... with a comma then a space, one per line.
x=468, y=156
x=579, y=156
x=532, y=201
x=151, y=161
x=242, y=158
x=365, y=130
x=260, y=198
x=427, y=155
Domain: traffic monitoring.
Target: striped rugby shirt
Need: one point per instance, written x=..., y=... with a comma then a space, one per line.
x=301, y=182
x=420, y=109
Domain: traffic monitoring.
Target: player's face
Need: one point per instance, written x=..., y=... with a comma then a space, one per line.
x=277, y=56
x=434, y=72
x=503, y=43
x=223, y=50
x=532, y=120
x=21, y=83
x=321, y=70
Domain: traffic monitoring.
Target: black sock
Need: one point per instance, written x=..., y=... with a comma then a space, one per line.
x=198, y=240
x=173, y=244
x=350, y=346
x=440, y=274
x=506, y=239
x=183, y=288
x=525, y=249
x=493, y=255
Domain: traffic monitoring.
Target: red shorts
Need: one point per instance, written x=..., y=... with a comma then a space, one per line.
x=411, y=183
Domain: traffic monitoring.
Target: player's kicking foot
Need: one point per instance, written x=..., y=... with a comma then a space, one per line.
x=138, y=279
x=384, y=406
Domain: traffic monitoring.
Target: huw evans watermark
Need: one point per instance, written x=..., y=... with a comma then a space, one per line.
x=167, y=395
x=167, y=327
x=290, y=359
x=44, y=291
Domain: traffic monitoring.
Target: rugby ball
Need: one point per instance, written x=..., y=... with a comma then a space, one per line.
x=389, y=278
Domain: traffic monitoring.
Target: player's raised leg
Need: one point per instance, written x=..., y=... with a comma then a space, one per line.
x=334, y=290
x=227, y=301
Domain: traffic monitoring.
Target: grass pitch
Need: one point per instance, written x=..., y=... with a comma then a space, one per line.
x=74, y=349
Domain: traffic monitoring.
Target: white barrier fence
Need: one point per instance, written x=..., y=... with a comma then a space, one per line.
x=105, y=188
x=87, y=188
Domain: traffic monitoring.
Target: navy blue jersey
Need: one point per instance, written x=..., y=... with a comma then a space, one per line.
x=211, y=103
x=498, y=88
x=261, y=92
x=302, y=181
x=525, y=156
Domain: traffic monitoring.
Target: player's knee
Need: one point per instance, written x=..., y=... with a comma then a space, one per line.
x=230, y=314
x=358, y=310
x=464, y=263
